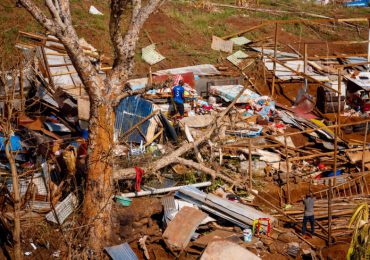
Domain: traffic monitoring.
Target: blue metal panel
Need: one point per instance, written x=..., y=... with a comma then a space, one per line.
x=15, y=143
x=121, y=252
x=129, y=112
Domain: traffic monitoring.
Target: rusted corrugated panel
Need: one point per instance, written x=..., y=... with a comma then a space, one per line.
x=222, y=249
x=216, y=235
x=179, y=231
x=219, y=44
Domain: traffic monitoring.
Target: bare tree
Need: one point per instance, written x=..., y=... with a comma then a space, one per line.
x=7, y=130
x=104, y=94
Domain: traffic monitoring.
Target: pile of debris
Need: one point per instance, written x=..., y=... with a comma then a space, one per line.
x=223, y=179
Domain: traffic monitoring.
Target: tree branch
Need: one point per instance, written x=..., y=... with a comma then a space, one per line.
x=136, y=6
x=67, y=35
x=55, y=13
x=140, y=91
x=117, y=8
x=125, y=48
x=36, y=12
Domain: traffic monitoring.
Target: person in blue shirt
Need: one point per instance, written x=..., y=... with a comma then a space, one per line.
x=178, y=93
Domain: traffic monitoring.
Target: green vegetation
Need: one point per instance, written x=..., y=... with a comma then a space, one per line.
x=186, y=40
x=207, y=23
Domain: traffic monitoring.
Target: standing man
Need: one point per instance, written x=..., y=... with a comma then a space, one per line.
x=179, y=97
x=308, y=202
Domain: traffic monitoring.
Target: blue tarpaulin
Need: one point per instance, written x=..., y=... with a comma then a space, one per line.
x=129, y=112
x=361, y=3
x=15, y=142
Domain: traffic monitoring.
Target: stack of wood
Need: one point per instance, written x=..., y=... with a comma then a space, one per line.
x=342, y=210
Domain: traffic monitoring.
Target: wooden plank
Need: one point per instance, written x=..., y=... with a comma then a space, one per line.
x=154, y=137
x=138, y=124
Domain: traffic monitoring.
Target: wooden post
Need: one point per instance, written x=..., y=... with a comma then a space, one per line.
x=363, y=150
x=329, y=211
x=250, y=163
x=150, y=76
x=274, y=69
x=368, y=44
x=305, y=56
x=287, y=169
x=264, y=68
x=21, y=83
x=336, y=130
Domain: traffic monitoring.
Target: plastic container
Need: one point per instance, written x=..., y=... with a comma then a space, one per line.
x=247, y=235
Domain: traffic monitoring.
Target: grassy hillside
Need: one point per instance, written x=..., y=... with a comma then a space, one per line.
x=182, y=30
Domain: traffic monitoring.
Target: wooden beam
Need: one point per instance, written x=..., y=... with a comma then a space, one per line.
x=363, y=146
x=250, y=163
x=324, y=154
x=138, y=124
x=274, y=68
x=329, y=211
x=327, y=20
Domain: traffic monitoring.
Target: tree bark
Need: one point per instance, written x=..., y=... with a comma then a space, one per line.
x=103, y=94
x=99, y=181
x=17, y=203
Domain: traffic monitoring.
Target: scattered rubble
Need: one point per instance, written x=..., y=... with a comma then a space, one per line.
x=224, y=182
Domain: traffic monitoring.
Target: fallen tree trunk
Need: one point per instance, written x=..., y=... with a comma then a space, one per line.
x=167, y=159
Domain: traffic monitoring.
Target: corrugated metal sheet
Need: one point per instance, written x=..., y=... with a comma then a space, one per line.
x=284, y=73
x=121, y=252
x=240, y=40
x=150, y=55
x=37, y=179
x=200, y=70
x=169, y=205
x=219, y=44
x=279, y=54
x=237, y=57
x=229, y=93
x=42, y=93
x=180, y=230
x=129, y=112
x=222, y=249
x=236, y=212
x=362, y=80
x=63, y=209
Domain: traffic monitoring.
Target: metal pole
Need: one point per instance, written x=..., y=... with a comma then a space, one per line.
x=250, y=163
x=274, y=69
x=329, y=211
